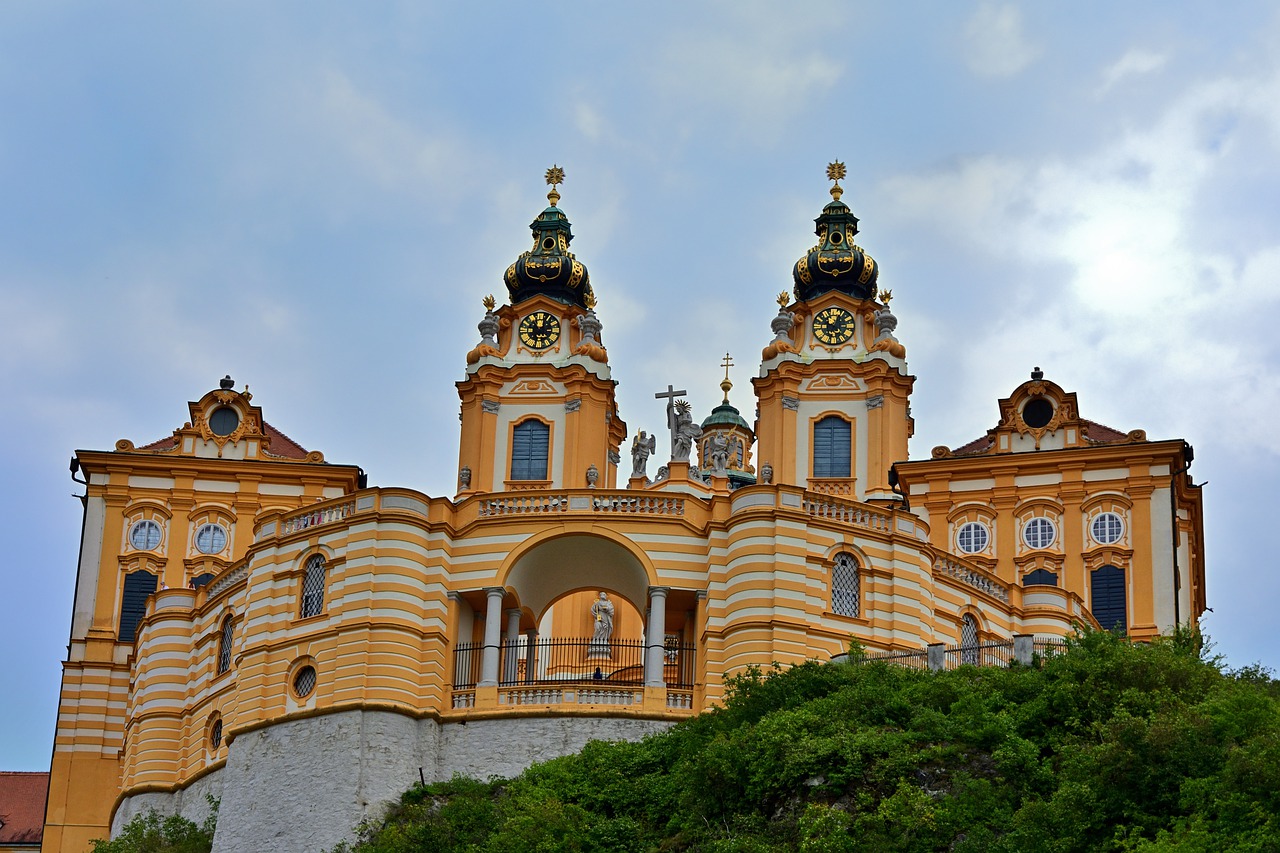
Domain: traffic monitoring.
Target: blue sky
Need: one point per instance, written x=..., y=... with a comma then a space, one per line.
x=315, y=197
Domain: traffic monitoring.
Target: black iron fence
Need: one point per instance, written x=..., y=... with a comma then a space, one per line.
x=573, y=661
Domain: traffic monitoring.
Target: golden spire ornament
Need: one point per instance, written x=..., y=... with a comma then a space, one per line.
x=784, y=299
x=490, y=303
x=590, y=300
x=886, y=296
x=555, y=176
x=726, y=363
x=836, y=172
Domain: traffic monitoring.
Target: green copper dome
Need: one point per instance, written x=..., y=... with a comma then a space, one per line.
x=725, y=415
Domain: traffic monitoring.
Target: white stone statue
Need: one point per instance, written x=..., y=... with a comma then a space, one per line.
x=602, y=630
x=719, y=454
x=602, y=616
x=686, y=433
x=640, y=450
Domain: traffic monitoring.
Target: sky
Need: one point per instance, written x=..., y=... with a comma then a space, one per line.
x=315, y=197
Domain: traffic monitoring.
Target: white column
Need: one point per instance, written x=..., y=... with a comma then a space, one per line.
x=492, y=637
x=655, y=635
x=531, y=655
x=511, y=661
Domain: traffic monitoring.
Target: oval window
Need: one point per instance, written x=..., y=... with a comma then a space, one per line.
x=224, y=421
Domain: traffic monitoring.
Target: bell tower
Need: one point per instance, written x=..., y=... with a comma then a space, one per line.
x=538, y=408
x=833, y=389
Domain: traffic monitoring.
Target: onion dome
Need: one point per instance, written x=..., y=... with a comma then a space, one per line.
x=836, y=263
x=549, y=268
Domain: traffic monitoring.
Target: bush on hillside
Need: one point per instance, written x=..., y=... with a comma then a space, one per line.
x=1151, y=748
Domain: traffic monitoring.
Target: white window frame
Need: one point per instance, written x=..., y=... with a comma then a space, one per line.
x=973, y=527
x=1114, y=523
x=1039, y=542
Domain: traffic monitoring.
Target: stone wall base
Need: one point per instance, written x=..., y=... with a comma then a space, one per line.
x=302, y=786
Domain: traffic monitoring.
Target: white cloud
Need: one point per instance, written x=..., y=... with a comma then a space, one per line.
x=1141, y=307
x=1136, y=62
x=994, y=43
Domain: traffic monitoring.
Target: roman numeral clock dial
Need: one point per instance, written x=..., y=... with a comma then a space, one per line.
x=833, y=326
x=539, y=330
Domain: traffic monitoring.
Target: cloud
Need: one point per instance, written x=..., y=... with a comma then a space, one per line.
x=1136, y=62
x=1098, y=268
x=760, y=67
x=994, y=43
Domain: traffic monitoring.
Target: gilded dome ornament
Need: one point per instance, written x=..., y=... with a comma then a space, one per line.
x=836, y=263
x=549, y=268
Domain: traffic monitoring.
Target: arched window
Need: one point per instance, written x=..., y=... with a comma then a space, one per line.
x=133, y=602
x=831, y=438
x=969, y=639
x=529, y=450
x=1042, y=577
x=224, y=645
x=201, y=580
x=846, y=587
x=1108, y=598
x=313, y=587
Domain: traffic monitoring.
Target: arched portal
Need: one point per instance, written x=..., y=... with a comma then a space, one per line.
x=577, y=561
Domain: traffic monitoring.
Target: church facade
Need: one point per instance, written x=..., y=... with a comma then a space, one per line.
x=256, y=624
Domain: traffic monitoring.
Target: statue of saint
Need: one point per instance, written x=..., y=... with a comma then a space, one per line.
x=720, y=454
x=686, y=433
x=602, y=621
x=640, y=450
x=602, y=616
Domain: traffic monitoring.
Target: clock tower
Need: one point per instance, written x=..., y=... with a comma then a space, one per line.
x=833, y=388
x=538, y=408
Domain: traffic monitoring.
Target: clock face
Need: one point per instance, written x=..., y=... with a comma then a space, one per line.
x=833, y=325
x=539, y=330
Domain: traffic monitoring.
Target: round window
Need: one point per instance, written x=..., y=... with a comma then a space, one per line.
x=973, y=537
x=549, y=243
x=224, y=421
x=1107, y=528
x=837, y=238
x=304, y=682
x=145, y=535
x=211, y=539
x=1039, y=533
x=1037, y=413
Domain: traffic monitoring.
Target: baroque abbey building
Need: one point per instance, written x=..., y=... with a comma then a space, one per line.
x=254, y=623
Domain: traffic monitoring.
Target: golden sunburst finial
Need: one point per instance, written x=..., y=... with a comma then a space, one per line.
x=886, y=296
x=836, y=172
x=589, y=300
x=784, y=299
x=555, y=176
x=490, y=303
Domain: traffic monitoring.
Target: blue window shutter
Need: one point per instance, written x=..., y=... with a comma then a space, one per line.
x=133, y=603
x=831, y=447
x=1040, y=576
x=529, y=450
x=1108, y=598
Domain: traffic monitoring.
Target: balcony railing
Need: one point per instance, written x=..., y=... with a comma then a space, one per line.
x=549, y=664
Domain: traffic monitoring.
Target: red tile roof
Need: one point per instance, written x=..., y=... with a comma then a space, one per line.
x=22, y=797
x=1094, y=431
x=278, y=444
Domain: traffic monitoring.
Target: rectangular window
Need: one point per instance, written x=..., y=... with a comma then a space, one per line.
x=529, y=450
x=831, y=439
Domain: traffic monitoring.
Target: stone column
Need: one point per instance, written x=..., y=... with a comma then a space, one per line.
x=492, y=637
x=511, y=660
x=530, y=655
x=655, y=636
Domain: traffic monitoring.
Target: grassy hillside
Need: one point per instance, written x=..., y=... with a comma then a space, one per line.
x=1110, y=746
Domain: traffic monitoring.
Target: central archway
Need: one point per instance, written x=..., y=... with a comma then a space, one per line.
x=577, y=561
